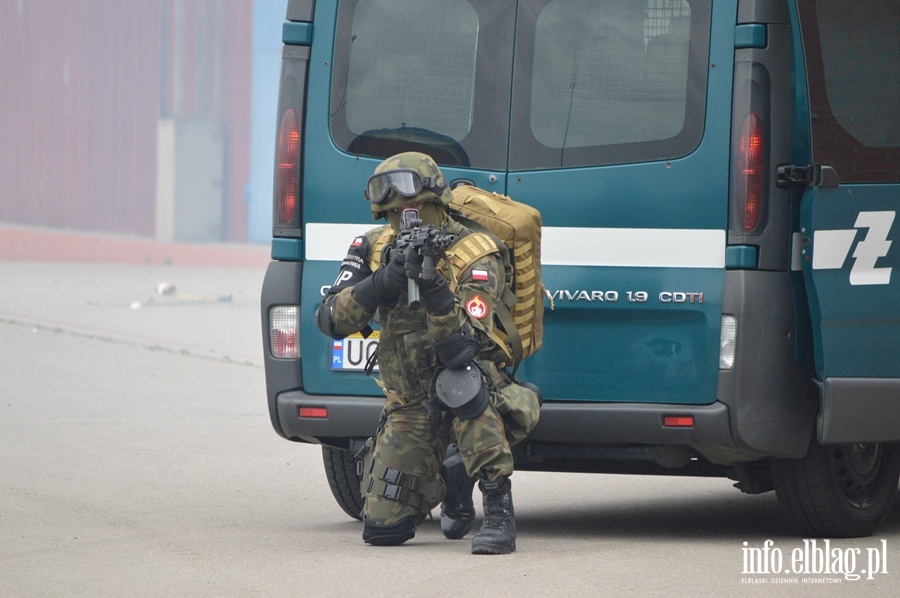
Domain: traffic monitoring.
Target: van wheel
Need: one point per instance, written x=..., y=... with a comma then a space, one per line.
x=841, y=491
x=340, y=469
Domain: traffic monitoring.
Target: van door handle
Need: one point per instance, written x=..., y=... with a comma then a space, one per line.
x=814, y=175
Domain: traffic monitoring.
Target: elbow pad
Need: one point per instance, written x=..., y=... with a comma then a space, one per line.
x=458, y=349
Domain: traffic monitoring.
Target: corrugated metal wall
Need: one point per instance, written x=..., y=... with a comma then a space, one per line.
x=83, y=85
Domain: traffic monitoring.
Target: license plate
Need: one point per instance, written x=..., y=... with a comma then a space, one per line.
x=353, y=352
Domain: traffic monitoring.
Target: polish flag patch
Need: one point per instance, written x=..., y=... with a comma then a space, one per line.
x=357, y=242
x=479, y=275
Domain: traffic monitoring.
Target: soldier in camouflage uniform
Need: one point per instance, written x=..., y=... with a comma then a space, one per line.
x=441, y=373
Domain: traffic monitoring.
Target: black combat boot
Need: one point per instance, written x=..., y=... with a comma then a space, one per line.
x=457, y=510
x=498, y=532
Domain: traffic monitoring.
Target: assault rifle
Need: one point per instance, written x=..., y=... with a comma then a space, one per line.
x=425, y=240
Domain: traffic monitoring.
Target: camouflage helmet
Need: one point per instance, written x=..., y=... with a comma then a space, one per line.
x=406, y=179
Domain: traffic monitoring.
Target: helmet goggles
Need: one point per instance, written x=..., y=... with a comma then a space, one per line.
x=405, y=181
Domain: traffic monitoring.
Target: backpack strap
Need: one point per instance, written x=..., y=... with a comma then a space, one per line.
x=466, y=251
x=512, y=334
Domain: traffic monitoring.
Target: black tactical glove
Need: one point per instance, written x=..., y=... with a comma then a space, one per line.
x=413, y=265
x=436, y=295
x=384, y=286
x=434, y=292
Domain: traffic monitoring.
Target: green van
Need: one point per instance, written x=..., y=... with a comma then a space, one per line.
x=719, y=183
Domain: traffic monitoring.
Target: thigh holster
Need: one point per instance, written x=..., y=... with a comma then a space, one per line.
x=404, y=488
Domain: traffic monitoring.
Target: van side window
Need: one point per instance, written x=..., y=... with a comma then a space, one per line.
x=853, y=61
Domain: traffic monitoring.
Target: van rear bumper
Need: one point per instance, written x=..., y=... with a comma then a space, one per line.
x=565, y=423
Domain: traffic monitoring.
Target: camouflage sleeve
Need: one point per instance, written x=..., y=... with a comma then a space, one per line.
x=480, y=288
x=346, y=315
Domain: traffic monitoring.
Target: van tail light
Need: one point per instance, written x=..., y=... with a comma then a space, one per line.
x=287, y=188
x=748, y=186
x=284, y=332
x=749, y=175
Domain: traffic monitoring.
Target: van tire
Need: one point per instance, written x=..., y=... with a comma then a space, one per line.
x=340, y=469
x=841, y=491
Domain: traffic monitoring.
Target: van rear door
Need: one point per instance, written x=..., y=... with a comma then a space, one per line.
x=386, y=77
x=613, y=138
x=849, y=215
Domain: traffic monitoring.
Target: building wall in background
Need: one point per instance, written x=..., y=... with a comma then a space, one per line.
x=268, y=19
x=205, y=80
x=85, y=84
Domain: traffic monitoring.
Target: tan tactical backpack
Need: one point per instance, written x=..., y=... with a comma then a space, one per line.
x=517, y=227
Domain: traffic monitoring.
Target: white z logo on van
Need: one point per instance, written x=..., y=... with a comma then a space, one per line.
x=830, y=248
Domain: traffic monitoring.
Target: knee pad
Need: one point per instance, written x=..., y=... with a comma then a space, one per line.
x=462, y=391
x=389, y=535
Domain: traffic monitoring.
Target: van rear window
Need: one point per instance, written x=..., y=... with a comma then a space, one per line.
x=608, y=81
x=426, y=75
x=413, y=64
x=594, y=82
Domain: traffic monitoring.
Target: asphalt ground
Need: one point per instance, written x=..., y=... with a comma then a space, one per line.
x=137, y=458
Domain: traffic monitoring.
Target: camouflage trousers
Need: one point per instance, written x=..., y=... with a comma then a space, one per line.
x=411, y=443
